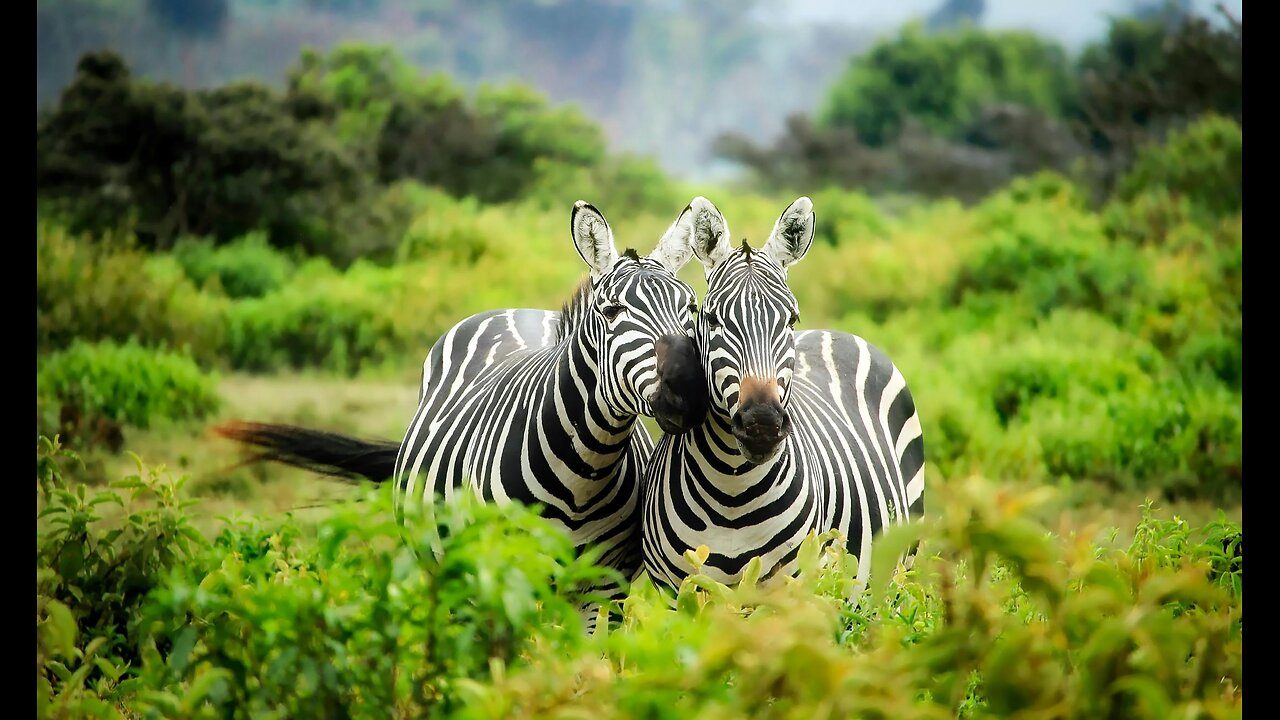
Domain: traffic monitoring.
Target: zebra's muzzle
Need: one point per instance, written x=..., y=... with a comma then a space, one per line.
x=679, y=402
x=761, y=427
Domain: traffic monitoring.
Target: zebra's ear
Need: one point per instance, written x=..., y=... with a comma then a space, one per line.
x=792, y=235
x=709, y=235
x=674, y=249
x=593, y=238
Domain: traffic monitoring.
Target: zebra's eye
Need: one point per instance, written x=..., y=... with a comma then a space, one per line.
x=693, y=308
x=795, y=318
x=713, y=321
x=611, y=312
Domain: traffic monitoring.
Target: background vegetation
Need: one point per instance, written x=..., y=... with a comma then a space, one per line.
x=1048, y=244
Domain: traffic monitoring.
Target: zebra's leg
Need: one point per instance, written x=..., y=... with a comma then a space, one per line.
x=594, y=612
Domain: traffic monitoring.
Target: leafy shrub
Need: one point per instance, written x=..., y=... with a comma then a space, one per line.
x=848, y=217
x=999, y=617
x=1182, y=440
x=106, y=290
x=458, y=231
x=1192, y=310
x=365, y=618
x=359, y=616
x=95, y=566
x=1047, y=256
x=122, y=384
x=247, y=267
x=1201, y=163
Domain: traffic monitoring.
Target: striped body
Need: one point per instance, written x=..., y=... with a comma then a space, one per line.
x=853, y=461
x=508, y=413
x=808, y=431
x=540, y=407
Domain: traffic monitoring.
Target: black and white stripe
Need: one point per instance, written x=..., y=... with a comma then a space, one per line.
x=534, y=406
x=541, y=407
x=808, y=430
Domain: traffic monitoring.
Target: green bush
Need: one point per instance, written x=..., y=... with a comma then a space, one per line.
x=98, y=558
x=365, y=618
x=456, y=231
x=246, y=267
x=358, y=616
x=1184, y=441
x=104, y=289
x=944, y=80
x=1045, y=256
x=122, y=384
x=1201, y=163
x=998, y=618
x=848, y=217
x=320, y=319
x=1192, y=309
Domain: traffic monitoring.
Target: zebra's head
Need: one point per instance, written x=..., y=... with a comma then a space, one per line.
x=744, y=331
x=642, y=319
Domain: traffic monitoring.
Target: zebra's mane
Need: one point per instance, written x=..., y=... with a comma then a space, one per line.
x=575, y=308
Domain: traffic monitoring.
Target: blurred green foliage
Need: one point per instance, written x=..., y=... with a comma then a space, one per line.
x=943, y=81
x=246, y=267
x=105, y=288
x=315, y=167
x=1045, y=339
x=962, y=111
x=356, y=616
x=89, y=390
x=1076, y=323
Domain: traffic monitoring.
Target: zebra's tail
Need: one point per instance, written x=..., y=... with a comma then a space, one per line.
x=316, y=450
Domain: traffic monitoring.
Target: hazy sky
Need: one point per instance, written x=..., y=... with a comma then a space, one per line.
x=1073, y=22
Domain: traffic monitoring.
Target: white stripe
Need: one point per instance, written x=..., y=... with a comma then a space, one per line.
x=916, y=487
x=910, y=431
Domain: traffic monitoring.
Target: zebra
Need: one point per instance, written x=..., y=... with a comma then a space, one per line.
x=808, y=430
x=535, y=406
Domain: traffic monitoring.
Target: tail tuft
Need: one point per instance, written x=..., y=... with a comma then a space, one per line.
x=315, y=450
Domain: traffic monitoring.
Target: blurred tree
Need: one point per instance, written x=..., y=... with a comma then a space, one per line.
x=960, y=113
x=172, y=162
x=1150, y=76
x=943, y=81
x=807, y=155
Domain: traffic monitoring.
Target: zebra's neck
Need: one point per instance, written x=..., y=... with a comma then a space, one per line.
x=577, y=410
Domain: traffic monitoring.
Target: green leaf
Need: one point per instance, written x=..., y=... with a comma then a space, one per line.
x=887, y=549
x=807, y=556
x=181, y=652
x=1149, y=693
x=60, y=670
x=687, y=598
x=209, y=683
x=61, y=628
x=108, y=670
x=751, y=574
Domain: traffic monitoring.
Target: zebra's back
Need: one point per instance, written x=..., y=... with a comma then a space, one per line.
x=483, y=422
x=859, y=429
